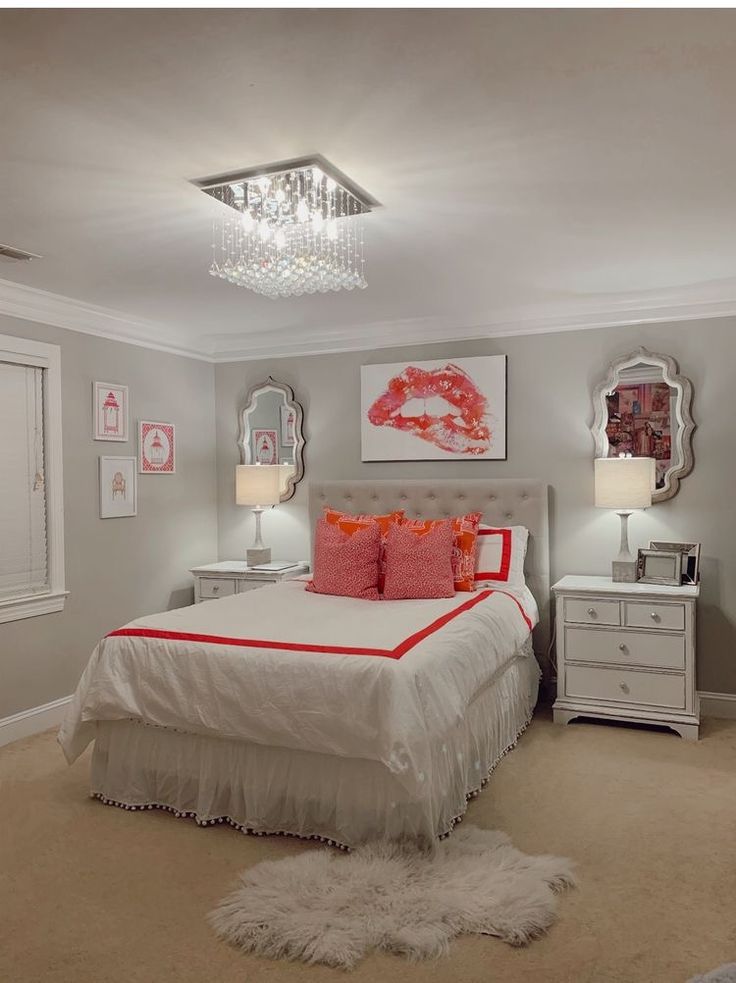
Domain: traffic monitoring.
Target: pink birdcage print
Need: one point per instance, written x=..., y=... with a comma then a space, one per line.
x=156, y=448
x=110, y=411
x=111, y=414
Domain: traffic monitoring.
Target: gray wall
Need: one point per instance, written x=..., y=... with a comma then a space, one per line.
x=116, y=569
x=551, y=377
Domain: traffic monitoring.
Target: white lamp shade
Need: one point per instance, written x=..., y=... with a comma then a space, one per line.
x=624, y=482
x=257, y=484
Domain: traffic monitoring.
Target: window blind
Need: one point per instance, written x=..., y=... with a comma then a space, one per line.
x=23, y=548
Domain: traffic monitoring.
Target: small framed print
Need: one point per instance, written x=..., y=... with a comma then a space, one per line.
x=109, y=411
x=265, y=447
x=288, y=421
x=659, y=567
x=118, y=489
x=690, y=554
x=156, y=447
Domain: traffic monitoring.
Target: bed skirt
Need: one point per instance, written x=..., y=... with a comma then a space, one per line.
x=344, y=801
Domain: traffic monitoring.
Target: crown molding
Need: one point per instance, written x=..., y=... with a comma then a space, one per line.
x=427, y=331
x=31, y=304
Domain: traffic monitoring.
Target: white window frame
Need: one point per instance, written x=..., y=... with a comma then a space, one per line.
x=48, y=357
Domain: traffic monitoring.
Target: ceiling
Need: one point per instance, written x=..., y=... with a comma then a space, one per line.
x=538, y=169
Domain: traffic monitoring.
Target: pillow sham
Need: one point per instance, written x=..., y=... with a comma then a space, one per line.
x=419, y=562
x=500, y=554
x=346, y=564
x=465, y=531
x=350, y=523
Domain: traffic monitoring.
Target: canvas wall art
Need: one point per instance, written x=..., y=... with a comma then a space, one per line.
x=445, y=409
x=118, y=490
x=109, y=411
x=156, y=447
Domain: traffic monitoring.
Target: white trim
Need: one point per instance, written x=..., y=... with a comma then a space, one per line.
x=31, y=304
x=49, y=357
x=721, y=705
x=33, y=721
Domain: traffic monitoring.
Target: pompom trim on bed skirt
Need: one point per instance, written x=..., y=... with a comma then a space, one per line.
x=249, y=831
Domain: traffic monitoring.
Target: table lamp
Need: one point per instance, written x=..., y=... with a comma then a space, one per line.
x=257, y=485
x=624, y=484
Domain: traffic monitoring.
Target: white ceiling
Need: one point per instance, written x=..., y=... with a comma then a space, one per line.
x=537, y=169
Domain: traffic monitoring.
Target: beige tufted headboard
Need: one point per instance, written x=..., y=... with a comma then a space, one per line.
x=504, y=502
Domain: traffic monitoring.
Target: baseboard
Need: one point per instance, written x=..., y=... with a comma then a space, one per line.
x=721, y=705
x=32, y=721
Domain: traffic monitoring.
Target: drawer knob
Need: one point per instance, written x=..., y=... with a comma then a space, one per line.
x=215, y=588
x=622, y=647
x=591, y=612
x=623, y=687
x=654, y=616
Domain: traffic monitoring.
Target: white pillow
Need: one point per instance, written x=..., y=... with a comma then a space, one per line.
x=499, y=555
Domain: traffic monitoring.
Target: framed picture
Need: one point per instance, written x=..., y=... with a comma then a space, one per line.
x=690, y=554
x=156, y=447
x=118, y=490
x=447, y=409
x=265, y=447
x=288, y=420
x=659, y=567
x=109, y=411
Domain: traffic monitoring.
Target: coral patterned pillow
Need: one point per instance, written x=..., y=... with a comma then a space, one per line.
x=465, y=529
x=346, y=564
x=350, y=523
x=419, y=562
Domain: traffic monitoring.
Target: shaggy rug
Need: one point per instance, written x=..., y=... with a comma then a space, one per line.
x=333, y=908
x=724, y=974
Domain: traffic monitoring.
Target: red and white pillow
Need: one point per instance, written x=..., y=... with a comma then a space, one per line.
x=351, y=523
x=346, y=563
x=419, y=562
x=465, y=531
x=500, y=554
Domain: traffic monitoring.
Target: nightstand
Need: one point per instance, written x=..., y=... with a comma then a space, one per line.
x=626, y=652
x=235, y=576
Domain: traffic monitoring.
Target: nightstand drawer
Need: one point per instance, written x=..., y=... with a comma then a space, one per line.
x=625, y=686
x=592, y=612
x=244, y=585
x=641, y=615
x=216, y=587
x=628, y=648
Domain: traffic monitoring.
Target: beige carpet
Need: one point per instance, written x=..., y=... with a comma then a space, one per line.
x=90, y=894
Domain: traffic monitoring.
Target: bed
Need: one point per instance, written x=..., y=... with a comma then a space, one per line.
x=283, y=711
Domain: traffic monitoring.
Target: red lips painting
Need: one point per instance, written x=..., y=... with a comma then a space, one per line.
x=431, y=410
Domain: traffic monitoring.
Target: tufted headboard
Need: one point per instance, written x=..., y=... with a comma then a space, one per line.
x=503, y=501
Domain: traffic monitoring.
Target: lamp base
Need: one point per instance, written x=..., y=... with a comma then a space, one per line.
x=623, y=571
x=254, y=556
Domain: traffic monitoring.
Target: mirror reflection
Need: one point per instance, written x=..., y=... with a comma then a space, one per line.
x=642, y=408
x=271, y=432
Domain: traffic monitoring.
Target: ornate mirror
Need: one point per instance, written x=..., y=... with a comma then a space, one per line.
x=643, y=408
x=271, y=432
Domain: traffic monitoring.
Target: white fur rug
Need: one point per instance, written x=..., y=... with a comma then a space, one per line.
x=327, y=907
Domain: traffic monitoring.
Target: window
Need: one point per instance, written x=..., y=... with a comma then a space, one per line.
x=31, y=503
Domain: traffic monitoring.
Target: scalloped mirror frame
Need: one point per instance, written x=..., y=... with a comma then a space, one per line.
x=244, y=433
x=682, y=448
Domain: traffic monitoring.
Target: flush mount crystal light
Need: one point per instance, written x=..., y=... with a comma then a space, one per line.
x=291, y=228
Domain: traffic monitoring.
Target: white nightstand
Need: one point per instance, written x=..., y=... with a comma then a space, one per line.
x=626, y=652
x=235, y=576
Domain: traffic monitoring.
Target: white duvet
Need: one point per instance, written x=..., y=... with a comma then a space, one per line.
x=283, y=666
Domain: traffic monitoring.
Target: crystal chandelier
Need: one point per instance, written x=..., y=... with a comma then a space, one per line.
x=290, y=229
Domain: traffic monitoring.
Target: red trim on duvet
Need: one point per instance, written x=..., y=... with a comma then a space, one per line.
x=396, y=653
x=503, y=573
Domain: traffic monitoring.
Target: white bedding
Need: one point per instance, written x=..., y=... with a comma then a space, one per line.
x=259, y=673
